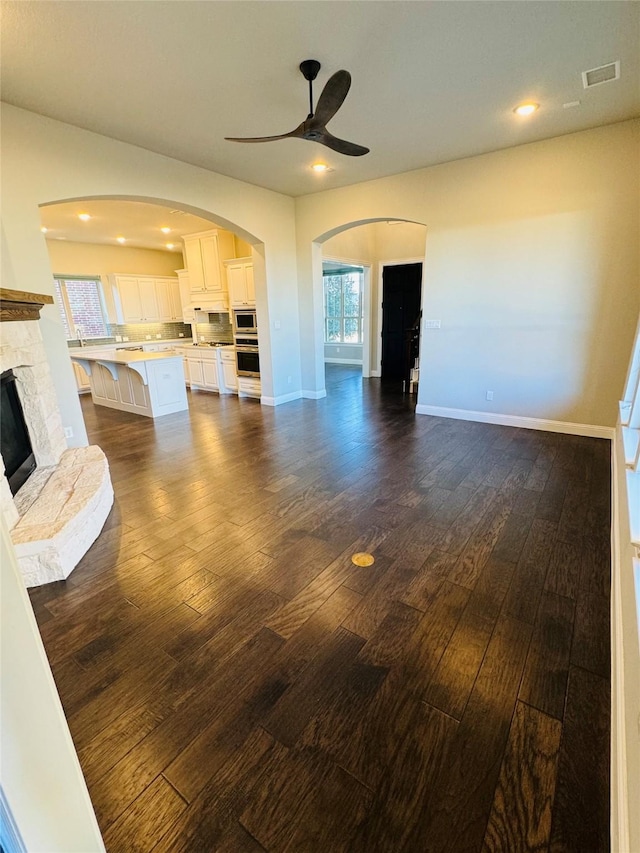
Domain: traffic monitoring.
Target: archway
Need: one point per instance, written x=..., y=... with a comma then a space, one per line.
x=187, y=219
x=370, y=244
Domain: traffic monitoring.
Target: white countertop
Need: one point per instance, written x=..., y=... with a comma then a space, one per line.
x=119, y=357
x=176, y=342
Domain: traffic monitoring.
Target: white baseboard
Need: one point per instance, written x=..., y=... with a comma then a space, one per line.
x=313, y=395
x=357, y=361
x=375, y=374
x=591, y=430
x=283, y=398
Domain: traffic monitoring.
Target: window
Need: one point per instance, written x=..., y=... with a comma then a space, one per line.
x=343, y=307
x=81, y=307
x=630, y=425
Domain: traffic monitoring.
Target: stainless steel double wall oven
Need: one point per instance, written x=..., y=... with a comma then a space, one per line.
x=245, y=334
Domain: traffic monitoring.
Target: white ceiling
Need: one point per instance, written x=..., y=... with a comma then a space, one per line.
x=138, y=222
x=432, y=81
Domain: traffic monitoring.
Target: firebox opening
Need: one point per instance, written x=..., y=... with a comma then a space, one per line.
x=15, y=444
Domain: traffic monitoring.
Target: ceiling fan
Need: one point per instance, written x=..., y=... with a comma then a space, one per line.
x=314, y=127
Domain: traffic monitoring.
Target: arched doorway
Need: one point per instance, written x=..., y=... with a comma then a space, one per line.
x=370, y=245
x=147, y=235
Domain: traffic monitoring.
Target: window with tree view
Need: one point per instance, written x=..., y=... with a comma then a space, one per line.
x=81, y=307
x=343, y=306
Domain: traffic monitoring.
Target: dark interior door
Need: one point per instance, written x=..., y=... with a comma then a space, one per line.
x=401, y=287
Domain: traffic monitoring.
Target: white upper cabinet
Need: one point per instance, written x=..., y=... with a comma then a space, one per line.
x=149, y=299
x=240, y=279
x=146, y=299
x=205, y=253
x=169, y=302
x=188, y=314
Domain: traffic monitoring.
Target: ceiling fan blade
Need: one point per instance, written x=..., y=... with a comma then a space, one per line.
x=341, y=145
x=332, y=97
x=293, y=133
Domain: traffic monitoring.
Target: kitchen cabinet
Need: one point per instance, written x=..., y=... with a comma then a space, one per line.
x=185, y=352
x=202, y=368
x=210, y=373
x=169, y=301
x=143, y=383
x=249, y=386
x=138, y=299
x=146, y=299
x=188, y=311
x=82, y=378
x=205, y=253
x=229, y=375
x=210, y=368
x=158, y=347
x=196, y=372
x=242, y=290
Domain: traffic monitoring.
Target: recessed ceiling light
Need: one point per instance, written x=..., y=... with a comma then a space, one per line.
x=44, y=230
x=170, y=245
x=320, y=167
x=165, y=230
x=121, y=239
x=526, y=109
x=84, y=216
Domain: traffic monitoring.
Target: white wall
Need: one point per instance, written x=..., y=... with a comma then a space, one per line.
x=532, y=266
x=46, y=161
x=340, y=353
x=41, y=775
x=69, y=258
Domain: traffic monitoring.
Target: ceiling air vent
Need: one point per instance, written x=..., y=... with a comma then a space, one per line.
x=603, y=74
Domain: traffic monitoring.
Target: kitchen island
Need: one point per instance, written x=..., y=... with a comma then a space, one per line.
x=143, y=383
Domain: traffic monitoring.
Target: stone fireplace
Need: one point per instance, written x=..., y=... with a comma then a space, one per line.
x=60, y=510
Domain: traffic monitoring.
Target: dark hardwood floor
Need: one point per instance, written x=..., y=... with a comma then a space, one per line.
x=234, y=683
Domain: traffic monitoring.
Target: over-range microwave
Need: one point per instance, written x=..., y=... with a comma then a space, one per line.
x=245, y=322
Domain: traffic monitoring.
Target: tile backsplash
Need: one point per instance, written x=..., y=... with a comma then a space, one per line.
x=137, y=333
x=217, y=329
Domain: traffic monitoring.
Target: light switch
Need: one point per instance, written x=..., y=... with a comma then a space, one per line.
x=432, y=324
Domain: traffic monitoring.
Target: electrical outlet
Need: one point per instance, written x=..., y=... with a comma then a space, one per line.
x=68, y=432
x=181, y=334
x=276, y=324
x=288, y=380
x=125, y=338
x=158, y=336
x=118, y=339
x=147, y=337
x=489, y=395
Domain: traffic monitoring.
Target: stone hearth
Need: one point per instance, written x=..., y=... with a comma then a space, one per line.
x=59, y=512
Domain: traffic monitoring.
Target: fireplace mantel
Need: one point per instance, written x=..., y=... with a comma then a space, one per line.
x=19, y=305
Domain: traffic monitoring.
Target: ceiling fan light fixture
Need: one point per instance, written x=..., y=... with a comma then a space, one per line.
x=526, y=109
